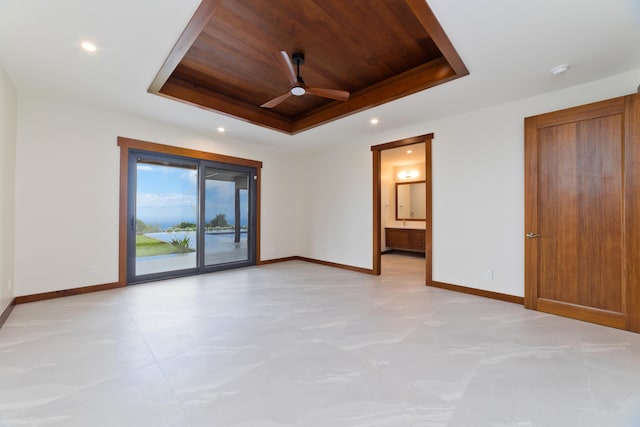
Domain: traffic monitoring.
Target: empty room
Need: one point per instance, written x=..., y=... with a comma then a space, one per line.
x=320, y=213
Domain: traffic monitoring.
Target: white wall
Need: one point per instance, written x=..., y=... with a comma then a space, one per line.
x=67, y=192
x=478, y=180
x=335, y=200
x=316, y=204
x=387, y=198
x=8, y=126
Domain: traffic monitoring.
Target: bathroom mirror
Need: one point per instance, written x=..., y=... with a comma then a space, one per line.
x=411, y=201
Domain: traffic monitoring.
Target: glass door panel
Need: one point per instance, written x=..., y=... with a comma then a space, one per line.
x=227, y=223
x=188, y=216
x=166, y=217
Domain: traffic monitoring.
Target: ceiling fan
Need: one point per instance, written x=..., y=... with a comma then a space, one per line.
x=298, y=87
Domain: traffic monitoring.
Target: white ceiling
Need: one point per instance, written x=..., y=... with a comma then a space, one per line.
x=509, y=46
x=400, y=156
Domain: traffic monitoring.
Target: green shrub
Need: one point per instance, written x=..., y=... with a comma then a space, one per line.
x=181, y=244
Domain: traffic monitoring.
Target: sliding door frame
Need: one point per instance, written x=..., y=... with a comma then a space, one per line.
x=127, y=145
x=136, y=156
x=252, y=196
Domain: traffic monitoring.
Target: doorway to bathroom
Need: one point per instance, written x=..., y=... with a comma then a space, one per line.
x=402, y=205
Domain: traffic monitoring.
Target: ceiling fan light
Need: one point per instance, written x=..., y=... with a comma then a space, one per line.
x=298, y=91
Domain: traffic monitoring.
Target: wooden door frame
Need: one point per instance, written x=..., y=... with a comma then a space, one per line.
x=377, y=205
x=127, y=144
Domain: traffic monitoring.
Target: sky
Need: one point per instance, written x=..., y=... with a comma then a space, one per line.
x=168, y=195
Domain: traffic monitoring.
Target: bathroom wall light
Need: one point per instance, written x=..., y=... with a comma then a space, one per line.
x=408, y=174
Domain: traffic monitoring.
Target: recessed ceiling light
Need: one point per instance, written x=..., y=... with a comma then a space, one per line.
x=559, y=69
x=374, y=121
x=220, y=129
x=409, y=151
x=89, y=47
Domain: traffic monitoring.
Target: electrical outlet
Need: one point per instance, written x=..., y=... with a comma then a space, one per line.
x=92, y=270
x=488, y=273
x=9, y=285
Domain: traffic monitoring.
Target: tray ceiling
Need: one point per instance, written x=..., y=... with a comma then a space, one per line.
x=227, y=60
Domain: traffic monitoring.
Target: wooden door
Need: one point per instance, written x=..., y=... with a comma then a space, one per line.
x=582, y=212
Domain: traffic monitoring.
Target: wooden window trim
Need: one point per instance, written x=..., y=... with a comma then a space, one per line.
x=128, y=144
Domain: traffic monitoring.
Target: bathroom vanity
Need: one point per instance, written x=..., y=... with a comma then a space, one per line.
x=406, y=239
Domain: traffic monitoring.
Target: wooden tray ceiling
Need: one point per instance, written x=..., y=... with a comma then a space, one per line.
x=379, y=50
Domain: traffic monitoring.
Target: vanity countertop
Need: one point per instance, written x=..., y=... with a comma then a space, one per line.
x=410, y=225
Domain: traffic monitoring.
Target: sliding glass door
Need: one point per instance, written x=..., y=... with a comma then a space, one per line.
x=188, y=216
x=226, y=216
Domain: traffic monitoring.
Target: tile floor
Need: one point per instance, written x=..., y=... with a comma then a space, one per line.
x=298, y=344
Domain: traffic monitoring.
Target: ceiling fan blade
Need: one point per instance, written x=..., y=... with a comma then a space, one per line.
x=287, y=67
x=340, y=95
x=276, y=101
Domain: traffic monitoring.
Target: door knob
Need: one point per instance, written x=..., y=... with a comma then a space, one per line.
x=532, y=235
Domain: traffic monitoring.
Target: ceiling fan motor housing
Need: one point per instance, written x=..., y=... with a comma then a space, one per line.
x=299, y=89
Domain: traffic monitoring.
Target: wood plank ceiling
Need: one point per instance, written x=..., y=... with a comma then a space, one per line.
x=379, y=50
